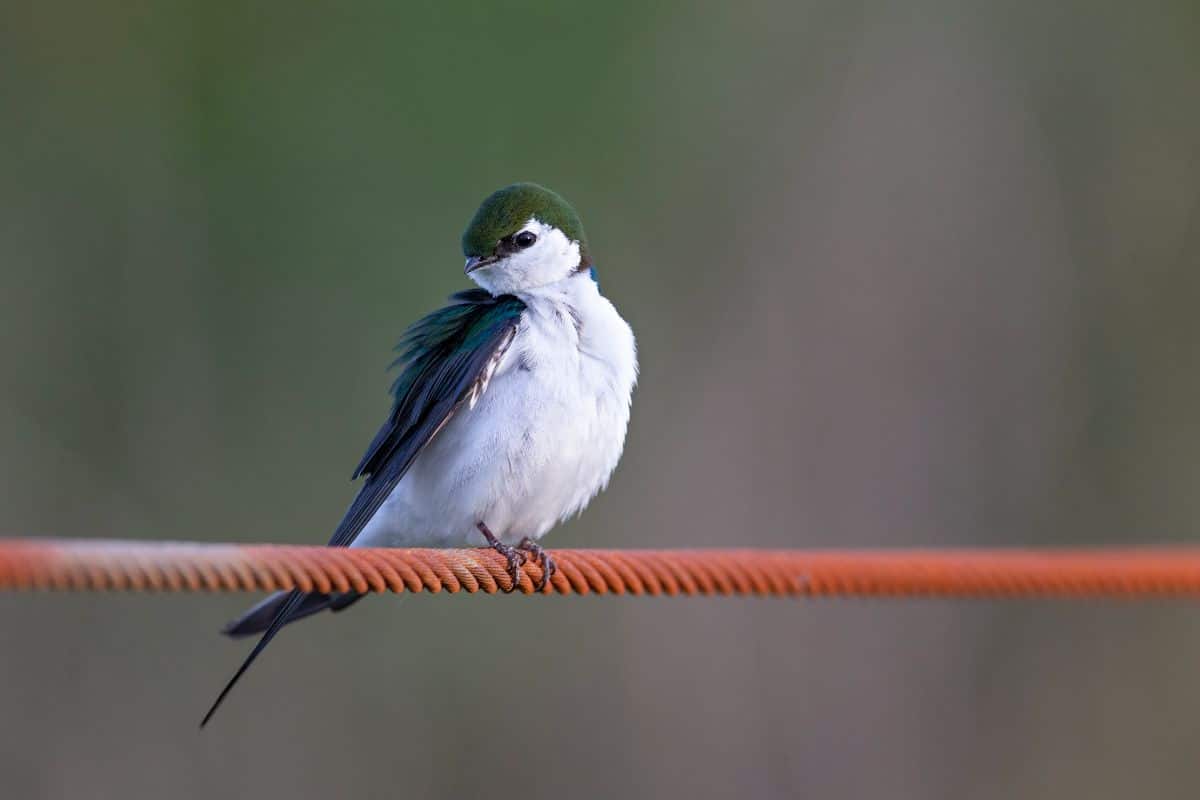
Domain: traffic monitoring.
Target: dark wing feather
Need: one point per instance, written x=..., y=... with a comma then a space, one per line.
x=448, y=357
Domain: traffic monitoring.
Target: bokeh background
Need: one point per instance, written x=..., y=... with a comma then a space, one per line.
x=902, y=274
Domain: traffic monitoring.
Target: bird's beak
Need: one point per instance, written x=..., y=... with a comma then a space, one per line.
x=479, y=262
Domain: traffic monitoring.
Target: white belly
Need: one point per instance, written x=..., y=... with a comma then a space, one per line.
x=538, y=445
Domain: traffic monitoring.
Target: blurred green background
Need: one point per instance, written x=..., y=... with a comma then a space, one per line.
x=902, y=274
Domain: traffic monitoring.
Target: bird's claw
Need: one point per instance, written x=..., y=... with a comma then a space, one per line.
x=516, y=559
x=515, y=556
x=518, y=556
x=539, y=555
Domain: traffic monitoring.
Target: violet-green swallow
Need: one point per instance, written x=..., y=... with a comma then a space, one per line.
x=509, y=414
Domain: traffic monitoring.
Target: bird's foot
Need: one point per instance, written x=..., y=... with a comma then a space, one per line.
x=539, y=555
x=515, y=556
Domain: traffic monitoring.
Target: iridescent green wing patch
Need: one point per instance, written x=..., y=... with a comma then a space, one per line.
x=447, y=358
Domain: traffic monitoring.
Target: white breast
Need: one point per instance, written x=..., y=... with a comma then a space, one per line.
x=541, y=441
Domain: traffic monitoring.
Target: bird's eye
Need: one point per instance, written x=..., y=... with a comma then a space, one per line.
x=524, y=239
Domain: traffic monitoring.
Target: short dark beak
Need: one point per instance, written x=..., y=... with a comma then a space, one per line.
x=479, y=262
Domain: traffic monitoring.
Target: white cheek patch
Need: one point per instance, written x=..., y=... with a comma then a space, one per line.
x=551, y=258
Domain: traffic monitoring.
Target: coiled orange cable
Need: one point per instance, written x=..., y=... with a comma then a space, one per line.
x=99, y=565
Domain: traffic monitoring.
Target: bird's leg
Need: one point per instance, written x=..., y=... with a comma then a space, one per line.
x=514, y=556
x=539, y=555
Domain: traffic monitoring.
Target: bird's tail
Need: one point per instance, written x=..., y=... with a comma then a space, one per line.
x=258, y=618
x=278, y=610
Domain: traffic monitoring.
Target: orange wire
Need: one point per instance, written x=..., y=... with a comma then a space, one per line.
x=100, y=565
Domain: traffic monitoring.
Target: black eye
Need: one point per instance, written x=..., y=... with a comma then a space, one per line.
x=524, y=239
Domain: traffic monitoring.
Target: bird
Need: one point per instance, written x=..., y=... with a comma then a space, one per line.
x=509, y=412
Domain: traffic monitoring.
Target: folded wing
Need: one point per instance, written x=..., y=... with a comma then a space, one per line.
x=448, y=358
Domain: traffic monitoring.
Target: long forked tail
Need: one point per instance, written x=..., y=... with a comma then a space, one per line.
x=277, y=611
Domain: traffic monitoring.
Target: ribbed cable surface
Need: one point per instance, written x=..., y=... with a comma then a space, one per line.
x=98, y=565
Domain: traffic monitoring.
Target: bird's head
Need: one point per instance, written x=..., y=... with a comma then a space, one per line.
x=524, y=236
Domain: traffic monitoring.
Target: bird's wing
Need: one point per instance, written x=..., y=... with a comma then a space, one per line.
x=448, y=358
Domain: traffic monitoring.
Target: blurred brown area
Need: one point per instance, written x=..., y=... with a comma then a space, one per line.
x=902, y=274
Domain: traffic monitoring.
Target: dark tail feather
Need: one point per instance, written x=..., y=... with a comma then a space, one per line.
x=277, y=611
x=258, y=618
x=293, y=599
